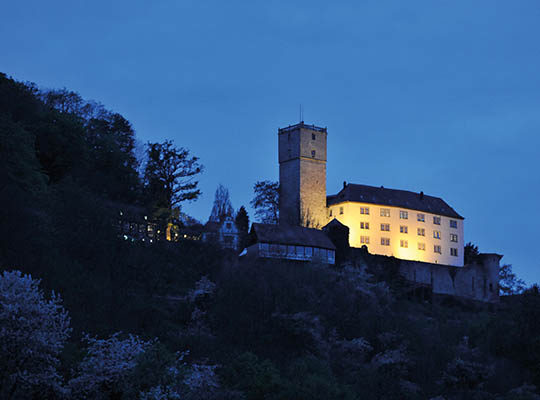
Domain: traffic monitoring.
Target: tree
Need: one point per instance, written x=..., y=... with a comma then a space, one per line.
x=170, y=177
x=114, y=165
x=222, y=205
x=509, y=283
x=266, y=201
x=470, y=253
x=107, y=363
x=32, y=335
x=19, y=165
x=242, y=224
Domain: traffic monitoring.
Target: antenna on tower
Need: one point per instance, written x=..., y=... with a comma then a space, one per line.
x=301, y=113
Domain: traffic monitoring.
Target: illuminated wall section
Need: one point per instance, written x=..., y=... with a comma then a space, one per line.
x=404, y=226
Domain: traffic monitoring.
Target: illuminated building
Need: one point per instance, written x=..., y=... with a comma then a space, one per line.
x=399, y=223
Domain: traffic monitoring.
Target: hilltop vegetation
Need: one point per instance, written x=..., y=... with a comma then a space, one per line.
x=188, y=320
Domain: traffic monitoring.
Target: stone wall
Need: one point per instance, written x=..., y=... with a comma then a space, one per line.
x=289, y=196
x=302, y=176
x=478, y=281
x=313, y=211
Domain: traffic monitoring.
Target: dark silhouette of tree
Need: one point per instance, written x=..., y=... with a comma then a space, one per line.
x=242, y=223
x=470, y=253
x=222, y=204
x=170, y=177
x=266, y=201
x=509, y=283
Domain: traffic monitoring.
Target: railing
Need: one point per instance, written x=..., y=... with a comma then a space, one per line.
x=301, y=125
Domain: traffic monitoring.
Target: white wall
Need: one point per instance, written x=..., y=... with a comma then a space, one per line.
x=351, y=217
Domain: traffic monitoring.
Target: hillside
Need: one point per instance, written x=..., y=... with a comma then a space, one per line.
x=189, y=320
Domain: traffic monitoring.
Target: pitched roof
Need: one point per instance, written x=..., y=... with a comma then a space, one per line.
x=335, y=223
x=393, y=197
x=292, y=235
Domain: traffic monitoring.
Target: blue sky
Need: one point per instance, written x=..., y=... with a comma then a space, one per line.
x=439, y=96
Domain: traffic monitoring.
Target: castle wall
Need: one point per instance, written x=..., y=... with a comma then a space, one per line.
x=349, y=214
x=478, y=281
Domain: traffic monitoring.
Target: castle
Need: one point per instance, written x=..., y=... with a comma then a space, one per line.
x=422, y=232
x=399, y=223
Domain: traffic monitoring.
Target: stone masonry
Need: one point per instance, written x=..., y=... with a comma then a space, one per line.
x=302, y=175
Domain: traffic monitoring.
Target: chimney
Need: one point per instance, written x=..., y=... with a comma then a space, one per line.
x=344, y=184
x=421, y=195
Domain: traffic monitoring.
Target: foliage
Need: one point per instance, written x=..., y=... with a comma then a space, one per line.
x=266, y=201
x=103, y=370
x=204, y=287
x=509, y=283
x=242, y=224
x=33, y=331
x=470, y=253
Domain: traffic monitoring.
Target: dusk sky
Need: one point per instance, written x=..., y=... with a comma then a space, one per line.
x=434, y=96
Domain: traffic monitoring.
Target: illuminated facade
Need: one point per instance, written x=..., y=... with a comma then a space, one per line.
x=406, y=225
x=399, y=223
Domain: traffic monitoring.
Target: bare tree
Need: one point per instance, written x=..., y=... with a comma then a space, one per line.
x=222, y=204
x=266, y=201
x=170, y=176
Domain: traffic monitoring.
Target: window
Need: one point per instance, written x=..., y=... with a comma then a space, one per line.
x=312, y=153
x=403, y=229
x=340, y=210
x=421, y=232
x=437, y=249
x=421, y=217
x=385, y=241
x=364, y=210
x=404, y=243
x=453, y=252
x=421, y=246
x=385, y=212
x=330, y=212
x=453, y=223
x=437, y=234
x=437, y=220
x=453, y=237
x=364, y=225
x=364, y=239
x=312, y=136
x=404, y=215
x=385, y=227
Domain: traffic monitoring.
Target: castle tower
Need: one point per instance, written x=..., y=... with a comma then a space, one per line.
x=302, y=175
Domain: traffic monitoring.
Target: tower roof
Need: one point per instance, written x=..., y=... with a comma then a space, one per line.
x=393, y=197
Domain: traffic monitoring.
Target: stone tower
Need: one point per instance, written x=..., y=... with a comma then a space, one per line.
x=302, y=175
